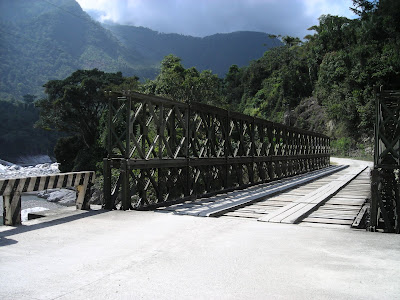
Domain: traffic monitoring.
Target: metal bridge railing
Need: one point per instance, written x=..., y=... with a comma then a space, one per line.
x=161, y=151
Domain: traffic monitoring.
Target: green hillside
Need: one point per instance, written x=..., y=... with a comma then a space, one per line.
x=42, y=41
x=216, y=52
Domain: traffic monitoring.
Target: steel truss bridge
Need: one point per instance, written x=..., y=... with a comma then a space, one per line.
x=162, y=151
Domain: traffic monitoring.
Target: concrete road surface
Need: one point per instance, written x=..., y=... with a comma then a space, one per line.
x=150, y=255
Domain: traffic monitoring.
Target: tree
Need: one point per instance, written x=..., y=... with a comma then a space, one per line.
x=180, y=84
x=363, y=7
x=233, y=88
x=74, y=106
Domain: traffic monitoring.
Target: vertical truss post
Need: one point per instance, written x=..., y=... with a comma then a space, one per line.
x=385, y=183
x=125, y=188
x=226, y=129
x=107, y=184
x=106, y=161
x=128, y=126
x=188, y=187
x=374, y=200
x=124, y=168
x=12, y=209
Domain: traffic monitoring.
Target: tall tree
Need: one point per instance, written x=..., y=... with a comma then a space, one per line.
x=180, y=84
x=74, y=106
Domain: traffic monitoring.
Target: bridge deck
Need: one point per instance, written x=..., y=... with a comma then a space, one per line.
x=333, y=197
x=219, y=204
x=342, y=210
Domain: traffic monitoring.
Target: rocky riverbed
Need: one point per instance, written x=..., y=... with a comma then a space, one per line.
x=15, y=171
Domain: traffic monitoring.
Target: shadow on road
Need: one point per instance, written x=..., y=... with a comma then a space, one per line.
x=26, y=228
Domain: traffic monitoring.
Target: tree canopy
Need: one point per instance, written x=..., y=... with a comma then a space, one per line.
x=74, y=106
x=178, y=83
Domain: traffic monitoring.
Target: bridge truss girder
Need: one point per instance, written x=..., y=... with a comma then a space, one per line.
x=162, y=151
x=385, y=182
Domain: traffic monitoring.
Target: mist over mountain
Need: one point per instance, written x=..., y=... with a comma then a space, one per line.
x=43, y=40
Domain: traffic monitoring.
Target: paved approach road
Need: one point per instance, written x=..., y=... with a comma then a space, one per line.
x=153, y=255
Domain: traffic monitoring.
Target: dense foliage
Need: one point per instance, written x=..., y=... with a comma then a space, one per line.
x=178, y=83
x=334, y=71
x=74, y=106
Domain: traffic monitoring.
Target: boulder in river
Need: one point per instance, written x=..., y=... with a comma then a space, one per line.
x=61, y=196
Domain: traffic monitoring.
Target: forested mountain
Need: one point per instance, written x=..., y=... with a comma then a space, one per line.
x=42, y=40
x=216, y=52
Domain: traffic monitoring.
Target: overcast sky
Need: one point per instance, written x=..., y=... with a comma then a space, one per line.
x=206, y=17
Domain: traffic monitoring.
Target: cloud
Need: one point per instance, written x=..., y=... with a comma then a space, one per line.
x=206, y=17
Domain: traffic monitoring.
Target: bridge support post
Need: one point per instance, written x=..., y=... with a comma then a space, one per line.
x=107, y=184
x=374, y=200
x=12, y=209
x=125, y=188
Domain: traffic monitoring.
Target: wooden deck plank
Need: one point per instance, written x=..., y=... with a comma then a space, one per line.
x=269, y=204
x=273, y=189
x=292, y=213
x=243, y=215
x=346, y=202
x=357, y=221
x=328, y=221
x=324, y=225
x=333, y=216
x=336, y=212
x=254, y=210
x=327, y=206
